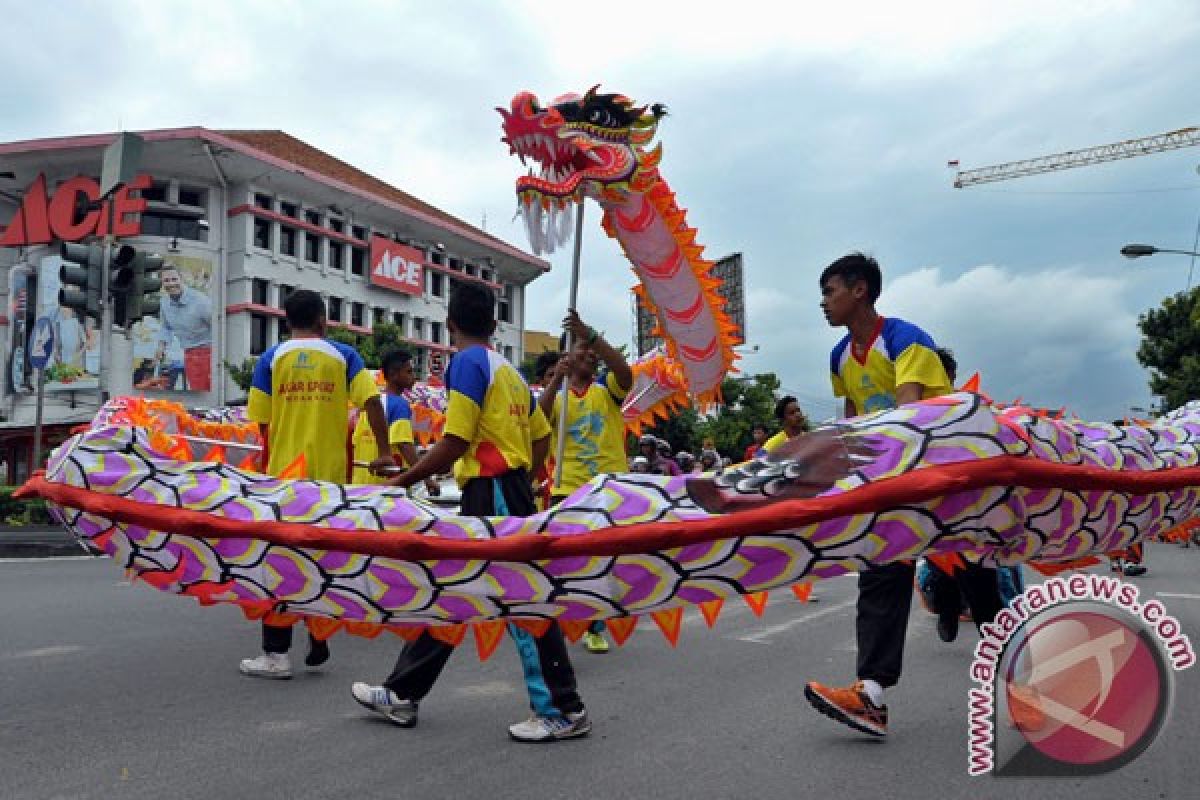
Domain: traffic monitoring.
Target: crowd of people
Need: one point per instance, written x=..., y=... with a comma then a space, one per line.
x=501, y=441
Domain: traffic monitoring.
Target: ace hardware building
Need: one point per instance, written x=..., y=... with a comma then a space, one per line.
x=229, y=223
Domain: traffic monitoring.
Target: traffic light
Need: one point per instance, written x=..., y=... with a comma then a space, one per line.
x=80, y=277
x=143, y=297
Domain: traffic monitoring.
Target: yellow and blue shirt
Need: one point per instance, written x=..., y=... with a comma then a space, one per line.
x=595, y=433
x=399, y=421
x=490, y=407
x=300, y=391
x=899, y=353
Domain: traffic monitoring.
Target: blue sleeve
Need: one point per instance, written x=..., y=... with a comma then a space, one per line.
x=262, y=372
x=354, y=362
x=899, y=335
x=469, y=375
x=835, y=356
x=397, y=409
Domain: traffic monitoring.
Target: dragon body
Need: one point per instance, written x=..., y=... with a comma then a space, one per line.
x=946, y=475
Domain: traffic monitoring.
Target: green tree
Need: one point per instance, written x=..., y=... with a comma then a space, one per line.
x=680, y=429
x=242, y=374
x=1170, y=348
x=746, y=402
x=372, y=347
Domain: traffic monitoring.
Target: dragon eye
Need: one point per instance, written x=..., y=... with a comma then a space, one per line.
x=598, y=116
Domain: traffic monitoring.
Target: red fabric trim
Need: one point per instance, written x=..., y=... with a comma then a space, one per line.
x=867, y=350
x=911, y=487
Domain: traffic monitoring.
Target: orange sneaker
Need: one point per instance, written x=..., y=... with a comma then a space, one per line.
x=1024, y=709
x=849, y=706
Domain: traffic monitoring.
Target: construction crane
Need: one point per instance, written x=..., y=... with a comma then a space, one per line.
x=1175, y=140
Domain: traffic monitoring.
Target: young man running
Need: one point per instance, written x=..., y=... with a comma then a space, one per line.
x=595, y=440
x=495, y=435
x=298, y=397
x=879, y=364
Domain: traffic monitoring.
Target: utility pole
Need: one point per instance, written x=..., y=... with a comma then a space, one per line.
x=122, y=160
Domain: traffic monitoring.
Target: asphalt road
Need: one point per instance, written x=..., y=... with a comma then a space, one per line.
x=116, y=691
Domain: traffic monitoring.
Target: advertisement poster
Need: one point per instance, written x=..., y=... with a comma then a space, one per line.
x=74, y=363
x=172, y=351
x=17, y=365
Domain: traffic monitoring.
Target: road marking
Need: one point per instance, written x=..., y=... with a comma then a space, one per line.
x=762, y=635
x=1179, y=595
x=46, y=652
x=48, y=559
x=489, y=689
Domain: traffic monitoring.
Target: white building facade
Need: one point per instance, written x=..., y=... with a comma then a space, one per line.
x=242, y=218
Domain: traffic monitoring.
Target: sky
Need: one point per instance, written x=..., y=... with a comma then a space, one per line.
x=796, y=133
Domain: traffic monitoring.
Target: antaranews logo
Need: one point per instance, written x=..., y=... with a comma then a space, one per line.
x=1075, y=678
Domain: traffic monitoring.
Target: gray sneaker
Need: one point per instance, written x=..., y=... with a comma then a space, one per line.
x=551, y=729
x=384, y=701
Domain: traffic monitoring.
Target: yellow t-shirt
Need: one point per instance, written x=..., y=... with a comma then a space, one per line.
x=489, y=406
x=300, y=390
x=900, y=353
x=399, y=421
x=595, y=434
x=774, y=441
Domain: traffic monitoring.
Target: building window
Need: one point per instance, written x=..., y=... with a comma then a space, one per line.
x=335, y=309
x=258, y=334
x=312, y=247
x=436, y=258
x=312, y=217
x=437, y=283
x=435, y=332
x=359, y=232
x=418, y=328
x=262, y=233
x=264, y=201
x=285, y=291
x=337, y=225
x=356, y=314
x=377, y=316
x=485, y=274
x=287, y=209
x=172, y=225
x=398, y=321
x=157, y=192
x=282, y=329
x=335, y=255
x=471, y=269
x=456, y=264
x=358, y=261
x=258, y=291
x=508, y=352
x=193, y=196
x=287, y=240
x=504, y=304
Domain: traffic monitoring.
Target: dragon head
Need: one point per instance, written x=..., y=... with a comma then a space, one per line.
x=591, y=145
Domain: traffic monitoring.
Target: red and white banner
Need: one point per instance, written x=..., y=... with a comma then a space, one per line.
x=397, y=266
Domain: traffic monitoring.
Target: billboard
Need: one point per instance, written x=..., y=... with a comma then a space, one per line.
x=729, y=270
x=396, y=266
x=173, y=350
x=74, y=362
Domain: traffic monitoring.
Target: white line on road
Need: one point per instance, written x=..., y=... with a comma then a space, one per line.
x=761, y=636
x=46, y=652
x=1179, y=595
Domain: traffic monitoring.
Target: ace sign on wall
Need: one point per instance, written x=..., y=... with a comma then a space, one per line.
x=397, y=266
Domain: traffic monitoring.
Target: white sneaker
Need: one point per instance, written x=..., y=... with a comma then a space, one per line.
x=384, y=701
x=268, y=665
x=551, y=729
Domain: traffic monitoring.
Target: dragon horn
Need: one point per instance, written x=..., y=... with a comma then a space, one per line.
x=590, y=93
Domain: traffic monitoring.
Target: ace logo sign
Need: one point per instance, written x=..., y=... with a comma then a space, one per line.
x=397, y=266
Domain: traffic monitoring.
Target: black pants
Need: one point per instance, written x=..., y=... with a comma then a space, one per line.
x=979, y=586
x=549, y=676
x=277, y=639
x=884, y=600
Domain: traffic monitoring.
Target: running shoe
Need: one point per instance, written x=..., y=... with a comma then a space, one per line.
x=1025, y=708
x=1134, y=570
x=384, y=701
x=850, y=706
x=551, y=729
x=268, y=665
x=595, y=642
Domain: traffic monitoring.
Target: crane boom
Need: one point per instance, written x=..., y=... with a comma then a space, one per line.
x=1185, y=137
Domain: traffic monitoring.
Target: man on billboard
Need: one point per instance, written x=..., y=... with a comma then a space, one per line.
x=186, y=315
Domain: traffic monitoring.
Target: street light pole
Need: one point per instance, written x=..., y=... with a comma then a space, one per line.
x=1139, y=250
